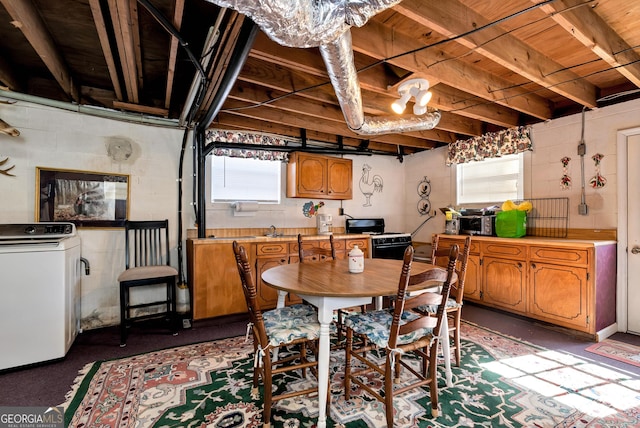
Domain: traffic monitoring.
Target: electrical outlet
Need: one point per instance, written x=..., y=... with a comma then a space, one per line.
x=186, y=323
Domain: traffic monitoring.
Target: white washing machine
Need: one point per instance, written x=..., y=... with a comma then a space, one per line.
x=40, y=275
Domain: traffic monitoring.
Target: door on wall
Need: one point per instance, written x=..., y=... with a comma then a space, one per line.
x=633, y=234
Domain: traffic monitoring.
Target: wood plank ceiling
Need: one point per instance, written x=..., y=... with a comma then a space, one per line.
x=492, y=64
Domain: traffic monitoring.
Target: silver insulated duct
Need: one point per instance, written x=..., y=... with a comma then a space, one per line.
x=326, y=24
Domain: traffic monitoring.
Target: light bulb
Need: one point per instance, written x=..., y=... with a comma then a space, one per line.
x=400, y=104
x=423, y=97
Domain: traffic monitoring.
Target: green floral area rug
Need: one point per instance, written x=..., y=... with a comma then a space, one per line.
x=501, y=382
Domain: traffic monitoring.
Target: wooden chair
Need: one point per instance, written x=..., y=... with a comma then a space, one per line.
x=315, y=253
x=308, y=253
x=295, y=325
x=455, y=301
x=395, y=333
x=147, y=263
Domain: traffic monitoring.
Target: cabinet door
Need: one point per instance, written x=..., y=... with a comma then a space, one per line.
x=311, y=177
x=362, y=243
x=472, y=284
x=339, y=178
x=268, y=296
x=215, y=282
x=503, y=283
x=559, y=294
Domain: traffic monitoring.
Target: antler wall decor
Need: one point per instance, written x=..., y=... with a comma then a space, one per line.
x=5, y=128
x=6, y=171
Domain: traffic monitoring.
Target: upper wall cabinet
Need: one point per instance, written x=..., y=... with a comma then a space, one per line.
x=316, y=176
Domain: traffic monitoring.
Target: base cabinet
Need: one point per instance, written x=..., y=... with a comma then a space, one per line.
x=559, y=294
x=503, y=284
x=567, y=283
x=268, y=256
x=214, y=283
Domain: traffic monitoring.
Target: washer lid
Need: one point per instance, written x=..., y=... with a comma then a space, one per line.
x=51, y=230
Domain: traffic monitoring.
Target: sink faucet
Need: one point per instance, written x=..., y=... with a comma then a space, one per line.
x=272, y=230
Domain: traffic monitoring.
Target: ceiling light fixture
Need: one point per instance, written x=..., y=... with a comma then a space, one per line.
x=419, y=89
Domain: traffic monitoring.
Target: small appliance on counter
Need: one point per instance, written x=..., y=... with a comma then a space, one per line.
x=324, y=224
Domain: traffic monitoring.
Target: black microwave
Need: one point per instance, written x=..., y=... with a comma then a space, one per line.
x=484, y=225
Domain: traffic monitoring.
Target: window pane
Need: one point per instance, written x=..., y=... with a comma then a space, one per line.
x=245, y=179
x=489, y=181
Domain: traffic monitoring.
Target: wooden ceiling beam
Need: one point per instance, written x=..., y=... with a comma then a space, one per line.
x=261, y=73
x=27, y=19
x=138, y=108
x=229, y=121
x=452, y=18
x=105, y=44
x=318, y=111
x=8, y=76
x=122, y=26
x=308, y=61
x=178, y=11
x=221, y=61
x=382, y=42
x=300, y=120
x=591, y=30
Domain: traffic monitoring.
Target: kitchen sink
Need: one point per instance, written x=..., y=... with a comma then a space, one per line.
x=281, y=236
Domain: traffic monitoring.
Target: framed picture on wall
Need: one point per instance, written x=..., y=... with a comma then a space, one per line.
x=88, y=199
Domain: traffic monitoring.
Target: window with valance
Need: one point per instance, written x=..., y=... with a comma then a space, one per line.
x=490, y=145
x=245, y=137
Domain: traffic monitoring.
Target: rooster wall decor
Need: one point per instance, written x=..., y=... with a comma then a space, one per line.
x=369, y=186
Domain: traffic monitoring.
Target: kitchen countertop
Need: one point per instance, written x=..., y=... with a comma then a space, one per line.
x=261, y=239
x=536, y=240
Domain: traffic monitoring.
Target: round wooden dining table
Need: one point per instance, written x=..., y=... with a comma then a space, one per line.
x=330, y=286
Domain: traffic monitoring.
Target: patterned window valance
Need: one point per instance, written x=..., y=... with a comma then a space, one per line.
x=225, y=136
x=491, y=145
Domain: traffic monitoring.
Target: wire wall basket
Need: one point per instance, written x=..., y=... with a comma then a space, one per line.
x=549, y=217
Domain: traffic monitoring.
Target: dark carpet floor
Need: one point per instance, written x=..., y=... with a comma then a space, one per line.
x=46, y=384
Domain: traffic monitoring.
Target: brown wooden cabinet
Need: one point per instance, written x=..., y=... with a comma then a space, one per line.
x=316, y=176
x=504, y=276
x=214, y=282
x=213, y=279
x=267, y=256
x=559, y=286
x=568, y=283
x=472, y=284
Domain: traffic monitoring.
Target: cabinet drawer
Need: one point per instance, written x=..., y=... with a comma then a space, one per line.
x=273, y=249
x=448, y=242
x=499, y=249
x=573, y=256
x=361, y=243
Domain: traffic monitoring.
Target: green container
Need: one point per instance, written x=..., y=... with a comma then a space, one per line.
x=511, y=224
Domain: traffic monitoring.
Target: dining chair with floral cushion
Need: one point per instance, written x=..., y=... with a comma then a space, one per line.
x=293, y=329
x=394, y=333
x=454, y=303
x=308, y=252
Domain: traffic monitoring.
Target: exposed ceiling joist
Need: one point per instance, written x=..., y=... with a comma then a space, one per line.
x=27, y=19
x=584, y=24
x=452, y=19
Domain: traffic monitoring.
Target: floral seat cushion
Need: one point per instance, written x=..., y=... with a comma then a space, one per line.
x=376, y=324
x=432, y=309
x=293, y=322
